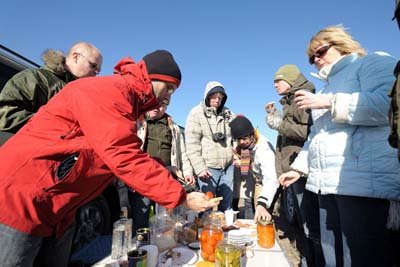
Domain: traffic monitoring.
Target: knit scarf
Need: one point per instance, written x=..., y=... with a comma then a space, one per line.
x=245, y=159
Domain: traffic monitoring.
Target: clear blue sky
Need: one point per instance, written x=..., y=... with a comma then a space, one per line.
x=239, y=43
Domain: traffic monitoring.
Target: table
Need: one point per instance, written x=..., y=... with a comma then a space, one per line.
x=256, y=257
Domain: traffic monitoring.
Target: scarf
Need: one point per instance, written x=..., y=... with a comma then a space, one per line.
x=245, y=159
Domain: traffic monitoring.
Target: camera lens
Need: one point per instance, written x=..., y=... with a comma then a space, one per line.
x=218, y=137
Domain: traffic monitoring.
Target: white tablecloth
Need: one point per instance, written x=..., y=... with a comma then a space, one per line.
x=256, y=257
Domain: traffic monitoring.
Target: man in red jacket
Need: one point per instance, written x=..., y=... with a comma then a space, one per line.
x=72, y=149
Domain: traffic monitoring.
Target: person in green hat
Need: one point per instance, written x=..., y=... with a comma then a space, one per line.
x=293, y=127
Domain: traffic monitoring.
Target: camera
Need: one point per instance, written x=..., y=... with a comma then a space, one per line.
x=217, y=137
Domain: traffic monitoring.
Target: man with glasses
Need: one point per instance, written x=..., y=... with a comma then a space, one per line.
x=209, y=144
x=255, y=158
x=28, y=90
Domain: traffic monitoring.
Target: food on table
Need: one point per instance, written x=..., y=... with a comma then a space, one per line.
x=205, y=264
x=244, y=224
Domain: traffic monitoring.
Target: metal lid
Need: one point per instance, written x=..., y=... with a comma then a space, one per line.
x=265, y=222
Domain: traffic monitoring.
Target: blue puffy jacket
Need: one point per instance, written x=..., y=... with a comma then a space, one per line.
x=347, y=152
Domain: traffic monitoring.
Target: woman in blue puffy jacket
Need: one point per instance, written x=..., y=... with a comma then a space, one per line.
x=349, y=164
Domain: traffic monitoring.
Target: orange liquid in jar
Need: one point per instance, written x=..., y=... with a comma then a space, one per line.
x=265, y=234
x=209, y=238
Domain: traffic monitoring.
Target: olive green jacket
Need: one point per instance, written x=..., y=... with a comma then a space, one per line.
x=27, y=91
x=295, y=127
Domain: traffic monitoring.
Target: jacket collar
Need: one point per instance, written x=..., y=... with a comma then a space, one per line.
x=342, y=63
x=137, y=77
x=301, y=83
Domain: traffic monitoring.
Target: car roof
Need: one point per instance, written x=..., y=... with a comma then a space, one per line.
x=11, y=63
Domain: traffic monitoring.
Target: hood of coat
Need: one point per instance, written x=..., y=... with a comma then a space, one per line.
x=54, y=60
x=136, y=75
x=211, y=88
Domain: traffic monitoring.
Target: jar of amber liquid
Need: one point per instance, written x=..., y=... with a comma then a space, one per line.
x=210, y=236
x=227, y=255
x=265, y=233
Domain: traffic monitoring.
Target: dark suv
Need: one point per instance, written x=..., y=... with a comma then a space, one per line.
x=96, y=217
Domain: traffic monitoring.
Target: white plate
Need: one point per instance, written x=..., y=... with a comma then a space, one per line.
x=240, y=233
x=182, y=257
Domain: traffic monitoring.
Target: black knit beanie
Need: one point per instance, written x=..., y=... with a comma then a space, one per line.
x=161, y=66
x=241, y=127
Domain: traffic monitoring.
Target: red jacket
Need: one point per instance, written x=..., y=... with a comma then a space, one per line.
x=95, y=117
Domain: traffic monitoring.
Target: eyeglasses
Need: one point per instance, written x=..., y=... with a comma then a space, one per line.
x=320, y=53
x=93, y=65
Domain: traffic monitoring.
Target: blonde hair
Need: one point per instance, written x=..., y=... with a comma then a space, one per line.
x=338, y=37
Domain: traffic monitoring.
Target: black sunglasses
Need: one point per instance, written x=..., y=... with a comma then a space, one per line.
x=319, y=53
x=92, y=64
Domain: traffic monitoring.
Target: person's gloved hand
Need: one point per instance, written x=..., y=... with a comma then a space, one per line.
x=274, y=119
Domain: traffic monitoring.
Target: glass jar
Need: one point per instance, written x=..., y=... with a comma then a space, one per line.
x=185, y=232
x=210, y=236
x=162, y=228
x=227, y=255
x=265, y=233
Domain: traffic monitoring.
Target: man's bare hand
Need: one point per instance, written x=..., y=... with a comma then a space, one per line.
x=189, y=179
x=262, y=213
x=198, y=201
x=205, y=174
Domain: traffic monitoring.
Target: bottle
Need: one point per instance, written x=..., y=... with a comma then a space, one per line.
x=122, y=237
x=210, y=236
x=128, y=228
x=118, y=241
x=265, y=233
x=185, y=232
x=162, y=228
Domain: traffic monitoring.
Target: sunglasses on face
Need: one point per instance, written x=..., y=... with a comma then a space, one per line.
x=319, y=53
x=92, y=65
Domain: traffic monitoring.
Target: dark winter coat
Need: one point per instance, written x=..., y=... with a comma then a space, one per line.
x=28, y=90
x=294, y=128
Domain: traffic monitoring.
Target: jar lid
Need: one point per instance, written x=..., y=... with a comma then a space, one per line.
x=265, y=222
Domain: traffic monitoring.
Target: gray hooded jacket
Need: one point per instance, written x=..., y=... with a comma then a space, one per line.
x=202, y=122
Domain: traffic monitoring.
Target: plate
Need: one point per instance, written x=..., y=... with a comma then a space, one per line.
x=181, y=257
x=240, y=233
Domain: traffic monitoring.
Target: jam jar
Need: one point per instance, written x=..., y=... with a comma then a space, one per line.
x=210, y=236
x=265, y=233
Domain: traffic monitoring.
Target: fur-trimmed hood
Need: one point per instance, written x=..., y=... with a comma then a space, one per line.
x=54, y=60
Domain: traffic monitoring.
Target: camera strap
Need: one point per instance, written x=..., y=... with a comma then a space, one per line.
x=209, y=126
